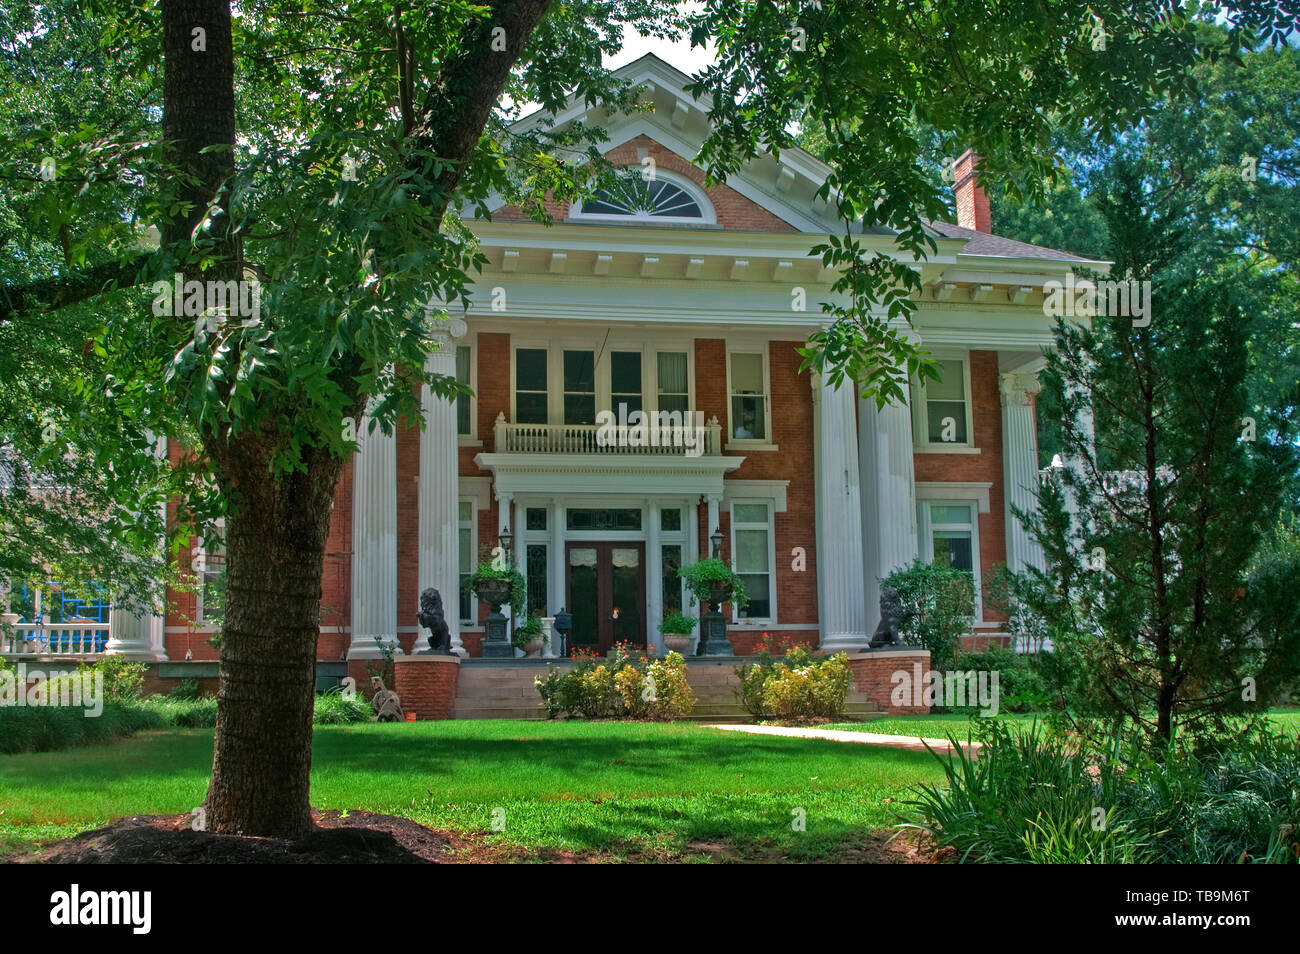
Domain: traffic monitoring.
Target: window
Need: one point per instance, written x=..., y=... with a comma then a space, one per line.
x=530, y=386
x=674, y=384
x=748, y=376
x=625, y=381
x=670, y=521
x=465, y=533
x=603, y=519
x=635, y=197
x=535, y=566
x=535, y=518
x=751, y=557
x=944, y=407
x=210, y=578
x=949, y=533
x=672, y=592
x=463, y=400
x=579, y=387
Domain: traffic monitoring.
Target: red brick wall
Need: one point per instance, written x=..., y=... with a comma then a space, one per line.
x=984, y=467
x=408, y=523
x=427, y=687
x=734, y=211
x=873, y=673
x=336, y=581
x=972, y=201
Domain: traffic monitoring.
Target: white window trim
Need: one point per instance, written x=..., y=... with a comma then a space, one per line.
x=708, y=215
x=769, y=505
x=763, y=443
x=921, y=419
x=925, y=535
x=199, y=567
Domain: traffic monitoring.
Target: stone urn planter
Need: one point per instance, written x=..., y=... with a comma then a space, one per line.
x=495, y=593
x=677, y=642
x=533, y=648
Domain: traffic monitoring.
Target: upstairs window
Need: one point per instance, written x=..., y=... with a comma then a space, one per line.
x=942, y=409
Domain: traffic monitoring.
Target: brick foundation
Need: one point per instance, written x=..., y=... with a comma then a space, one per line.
x=873, y=671
x=427, y=685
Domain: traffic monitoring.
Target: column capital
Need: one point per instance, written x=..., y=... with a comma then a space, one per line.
x=449, y=329
x=1019, y=387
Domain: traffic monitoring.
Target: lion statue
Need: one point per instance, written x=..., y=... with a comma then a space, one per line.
x=893, y=617
x=431, y=617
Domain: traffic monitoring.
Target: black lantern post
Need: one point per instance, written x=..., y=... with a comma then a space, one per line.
x=713, y=628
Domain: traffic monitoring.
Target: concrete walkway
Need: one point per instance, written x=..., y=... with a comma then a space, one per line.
x=910, y=742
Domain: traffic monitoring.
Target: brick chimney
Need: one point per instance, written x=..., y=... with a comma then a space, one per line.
x=972, y=202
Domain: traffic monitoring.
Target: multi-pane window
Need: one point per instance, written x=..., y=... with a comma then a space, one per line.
x=210, y=578
x=535, y=518
x=748, y=396
x=945, y=405
x=952, y=534
x=674, y=384
x=639, y=197
x=579, y=387
x=462, y=400
x=670, y=520
x=535, y=566
x=530, y=386
x=751, y=556
x=625, y=380
x=465, y=533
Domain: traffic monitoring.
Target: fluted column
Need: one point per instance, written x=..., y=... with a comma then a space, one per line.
x=888, y=496
x=840, y=558
x=439, y=493
x=139, y=634
x=374, y=542
x=1020, y=466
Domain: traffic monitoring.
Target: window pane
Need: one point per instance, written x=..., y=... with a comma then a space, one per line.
x=530, y=408
x=670, y=520
x=947, y=422
x=749, y=513
x=462, y=400
x=625, y=372
x=751, y=551
x=530, y=369
x=536, y=564
x=466, y=552
x=465, y=511
x=952, y=548
x=579, y=371
x=535, y=518
x=579, y=409
x=746, y=373
x=672, y=373
x=951, y=385
x=674, y=402
x=672, y=559
x=949, y=513
x=747, y=418
x=760, y=597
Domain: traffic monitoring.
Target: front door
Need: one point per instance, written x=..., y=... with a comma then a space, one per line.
x=606, y=594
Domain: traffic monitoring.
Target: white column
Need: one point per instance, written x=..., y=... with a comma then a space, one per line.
x=1020, y=466
x=654, y=581
x=374, y=542
x=840, y=547
x=555, y=598
x=713, y=500
x=692, y=557
x=505, y=512
x=439, y=486
x=139, y=635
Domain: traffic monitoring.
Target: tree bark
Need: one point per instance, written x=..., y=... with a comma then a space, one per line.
x=275, y=551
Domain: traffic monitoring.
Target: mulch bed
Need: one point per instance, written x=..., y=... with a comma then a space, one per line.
x=369, y=838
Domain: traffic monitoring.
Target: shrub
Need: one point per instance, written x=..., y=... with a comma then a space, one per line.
x=656, y=693
x=123, y=679
x=942, y=600
x=804, y=685
x=620, y=686
x=186, y=690
x=336, y=707
x=1021, y=687
x=44, y=728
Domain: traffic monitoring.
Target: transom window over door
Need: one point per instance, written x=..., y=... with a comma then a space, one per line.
x=748, y=396
x=579, y=387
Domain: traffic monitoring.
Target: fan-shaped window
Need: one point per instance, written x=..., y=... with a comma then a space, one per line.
x=635, y=197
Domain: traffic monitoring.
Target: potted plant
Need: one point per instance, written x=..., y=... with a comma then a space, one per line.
x=528, y=636
x=676, y=629
x=712, y=581
x=498, y=585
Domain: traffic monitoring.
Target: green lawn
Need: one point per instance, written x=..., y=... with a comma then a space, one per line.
x=938, y=726
x=657, y=791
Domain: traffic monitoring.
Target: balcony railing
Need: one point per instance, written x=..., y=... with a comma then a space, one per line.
x=666, y=441
x=53, y=639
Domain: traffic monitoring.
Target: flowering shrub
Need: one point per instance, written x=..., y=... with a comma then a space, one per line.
x=803, y=685
x=620, y=686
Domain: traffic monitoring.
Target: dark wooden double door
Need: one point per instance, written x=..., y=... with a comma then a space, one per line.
x=605, y=584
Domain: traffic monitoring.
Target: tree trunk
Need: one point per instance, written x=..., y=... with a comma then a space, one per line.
x=275, y=549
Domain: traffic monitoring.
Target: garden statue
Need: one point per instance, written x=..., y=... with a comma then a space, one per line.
x=431, y=618
x=893, y=617
x=387, y=706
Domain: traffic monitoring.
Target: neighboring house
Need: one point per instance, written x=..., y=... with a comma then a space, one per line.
x=687, y=302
